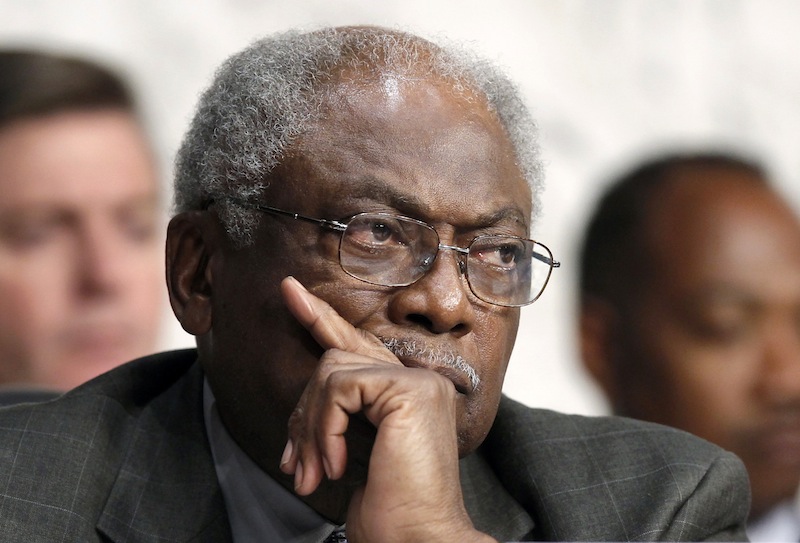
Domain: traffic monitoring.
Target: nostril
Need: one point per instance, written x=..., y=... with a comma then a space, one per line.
x=424, y=322
x=420, y=320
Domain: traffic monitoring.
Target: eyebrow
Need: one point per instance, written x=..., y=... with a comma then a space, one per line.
x=716, y=292
x=374, y=189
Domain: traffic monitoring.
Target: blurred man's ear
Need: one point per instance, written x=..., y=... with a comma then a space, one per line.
x=190, y=248
x=598, y=323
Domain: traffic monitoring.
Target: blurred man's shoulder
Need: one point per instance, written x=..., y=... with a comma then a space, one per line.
x=127, y=444
x=130, y=386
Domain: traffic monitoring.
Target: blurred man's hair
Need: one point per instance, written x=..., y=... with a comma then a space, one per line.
x=614, y=253
x=34, y=83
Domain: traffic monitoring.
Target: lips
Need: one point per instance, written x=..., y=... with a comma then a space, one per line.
x=105, y=339
x=779, y=444
x=460, y=381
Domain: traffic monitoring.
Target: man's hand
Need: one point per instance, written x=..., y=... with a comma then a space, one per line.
x=412, y=492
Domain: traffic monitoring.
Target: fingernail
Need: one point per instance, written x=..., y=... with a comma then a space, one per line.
x=298, y=476
x=287, y=452
x=298, y=283
x=326, y=467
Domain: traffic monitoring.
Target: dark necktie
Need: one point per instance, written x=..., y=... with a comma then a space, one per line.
x=337, y=536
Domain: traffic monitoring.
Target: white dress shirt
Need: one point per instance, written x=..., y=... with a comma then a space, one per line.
x=781, y=523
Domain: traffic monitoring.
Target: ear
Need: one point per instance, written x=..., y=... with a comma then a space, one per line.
x=598, y=327
x=190, y=247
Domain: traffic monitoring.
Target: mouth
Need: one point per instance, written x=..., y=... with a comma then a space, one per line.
x=781, y=445
x=105, y=339
x=445, y=362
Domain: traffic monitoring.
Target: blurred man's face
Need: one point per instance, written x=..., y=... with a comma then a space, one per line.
x=411, y=149
x=81, y=272
x=720, y=324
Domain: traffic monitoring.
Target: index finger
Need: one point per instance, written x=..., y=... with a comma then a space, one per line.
x=326, y=326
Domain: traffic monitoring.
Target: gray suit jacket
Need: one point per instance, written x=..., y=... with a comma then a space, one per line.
x=125, y=458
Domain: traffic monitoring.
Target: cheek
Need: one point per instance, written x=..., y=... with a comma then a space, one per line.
x=359, y=303
x=34, y=308
x=145, y=285
x=495, y=334
x=260, y=358
x=703, y=390
x=34, y=297
x=709, y=404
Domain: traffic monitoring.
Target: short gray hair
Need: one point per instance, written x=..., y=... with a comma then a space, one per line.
x=263, y=98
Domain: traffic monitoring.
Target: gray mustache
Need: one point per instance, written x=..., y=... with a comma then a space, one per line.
x=436, y=356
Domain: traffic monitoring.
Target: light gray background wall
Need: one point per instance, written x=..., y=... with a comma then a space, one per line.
x=607, y=79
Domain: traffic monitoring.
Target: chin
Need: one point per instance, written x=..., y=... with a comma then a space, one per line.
x=90, y=359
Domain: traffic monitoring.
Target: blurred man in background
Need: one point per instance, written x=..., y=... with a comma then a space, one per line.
x=81, y=272
x=690, y=315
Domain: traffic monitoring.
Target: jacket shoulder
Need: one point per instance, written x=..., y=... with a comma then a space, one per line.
x=612, y=478
x=61, y=458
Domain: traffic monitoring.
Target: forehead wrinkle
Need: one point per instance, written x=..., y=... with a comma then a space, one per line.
x=382, y=192
x=374, y=189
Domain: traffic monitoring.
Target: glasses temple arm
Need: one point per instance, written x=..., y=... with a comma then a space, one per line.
x=547, y=260
x=325, y=223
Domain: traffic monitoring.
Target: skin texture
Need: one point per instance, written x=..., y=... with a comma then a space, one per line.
x=286, y=365
x=711, y=341
x=80, y=259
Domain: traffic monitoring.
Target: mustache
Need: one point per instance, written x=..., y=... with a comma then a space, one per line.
x=436, y=356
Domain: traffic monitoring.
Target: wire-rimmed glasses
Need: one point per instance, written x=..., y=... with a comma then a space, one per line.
x=396, y=251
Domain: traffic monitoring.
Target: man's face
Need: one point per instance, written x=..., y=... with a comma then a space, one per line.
x=720, y=323
x=408, y=148
x=81, y=275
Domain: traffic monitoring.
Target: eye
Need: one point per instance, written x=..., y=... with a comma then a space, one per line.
x=377, y=232
x=30, y=233
x=508, y=254
x=380, y=231
x=501, y=253
x=722, y=323
x=139, y=226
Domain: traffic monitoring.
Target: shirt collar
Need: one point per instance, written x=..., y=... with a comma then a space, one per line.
x=781, y=523
x=259, y=508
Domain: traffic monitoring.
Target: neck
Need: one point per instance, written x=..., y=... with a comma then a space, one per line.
x=332, y=498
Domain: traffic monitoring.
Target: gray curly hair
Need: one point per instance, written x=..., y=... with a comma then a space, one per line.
x=263, y=98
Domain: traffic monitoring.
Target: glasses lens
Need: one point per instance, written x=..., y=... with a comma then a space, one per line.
x=387, y=250
x=508, y=271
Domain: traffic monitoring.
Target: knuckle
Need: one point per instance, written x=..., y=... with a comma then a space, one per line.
x=297, y=421
x=336, y=380
x=330, y=362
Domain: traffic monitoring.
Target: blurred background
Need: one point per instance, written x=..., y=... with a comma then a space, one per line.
x=608, y=81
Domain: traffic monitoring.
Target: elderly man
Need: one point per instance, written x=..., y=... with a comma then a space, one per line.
x=351, y=251
x=690, y=315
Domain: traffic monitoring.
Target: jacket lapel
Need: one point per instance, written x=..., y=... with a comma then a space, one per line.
x=489, y=505
x=166, y=489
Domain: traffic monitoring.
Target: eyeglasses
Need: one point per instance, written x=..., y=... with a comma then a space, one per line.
x=396, y=251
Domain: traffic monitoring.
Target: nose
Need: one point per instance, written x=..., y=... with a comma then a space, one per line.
x=780, y=372
x=100, y=265
x=440, y=301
